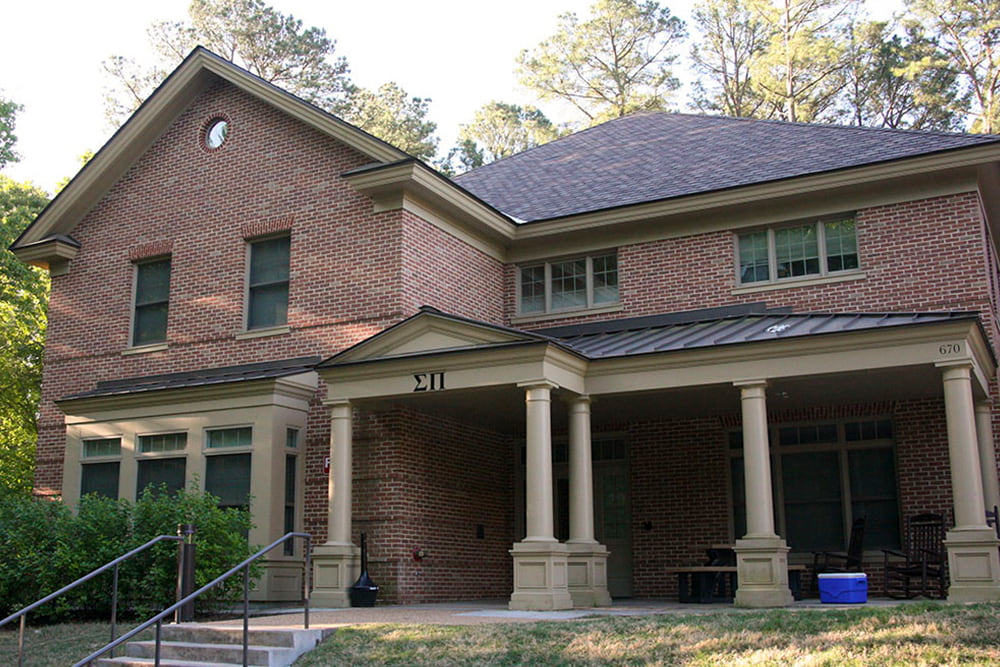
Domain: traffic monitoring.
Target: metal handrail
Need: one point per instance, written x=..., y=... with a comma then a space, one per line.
x=245, y=567
x=23, y=613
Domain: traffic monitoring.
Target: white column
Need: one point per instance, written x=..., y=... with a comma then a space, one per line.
x=540, y=561
x=761, y=556
x=987, y=454
x=963, y=447
x=973, y=564
x=756, y=461
x=539, y=522
x=341, y=433
x=588, y=559
x=335, y=562
x=581, y=473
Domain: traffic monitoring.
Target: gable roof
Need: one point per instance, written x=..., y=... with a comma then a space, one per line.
x=199, y=70
x=649, y=157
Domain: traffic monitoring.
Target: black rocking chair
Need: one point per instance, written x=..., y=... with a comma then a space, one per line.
x=825, y=562
x=921, y=563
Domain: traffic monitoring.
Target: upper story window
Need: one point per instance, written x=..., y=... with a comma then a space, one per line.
x=798, y=251
x=152, y=300
x=565, y=285
x=267, y=297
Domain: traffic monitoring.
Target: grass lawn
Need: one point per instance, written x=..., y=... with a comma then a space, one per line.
x=917, y=634
x=57, y=645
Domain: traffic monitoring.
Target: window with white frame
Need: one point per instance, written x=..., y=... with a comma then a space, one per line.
x=824, y=476
x=566, y=285
x=101, y=466
x=152, y=301
x=267, y=287
x=800, y=251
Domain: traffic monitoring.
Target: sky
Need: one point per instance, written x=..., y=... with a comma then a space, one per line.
x=459, y=53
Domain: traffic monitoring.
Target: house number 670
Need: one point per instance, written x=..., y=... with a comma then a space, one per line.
x=429, y=381
x=950, y=348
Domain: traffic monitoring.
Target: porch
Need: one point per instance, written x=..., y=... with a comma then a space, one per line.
x=620, y=467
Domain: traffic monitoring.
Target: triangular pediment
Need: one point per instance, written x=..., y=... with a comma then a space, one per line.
x=195, y=74
x=427, y=332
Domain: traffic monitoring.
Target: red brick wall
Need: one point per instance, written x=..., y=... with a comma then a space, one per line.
x=423, y=482
x=926, y=255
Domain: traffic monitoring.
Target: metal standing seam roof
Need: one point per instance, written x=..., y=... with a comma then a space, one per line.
x=200, y=378
x=650, y=156
x=733, y=330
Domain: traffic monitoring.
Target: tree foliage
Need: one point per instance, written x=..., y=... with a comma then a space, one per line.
x=392, y=115
x=802, y=69
x=274, y=46
x=898, y=81
x=279, y=49
x=618, y=61
x=967, y=35
x=23, y=302
x=499, y=130
x=733, y=35
x=8, y=113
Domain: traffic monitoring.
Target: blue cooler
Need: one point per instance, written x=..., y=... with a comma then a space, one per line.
x=843, y=588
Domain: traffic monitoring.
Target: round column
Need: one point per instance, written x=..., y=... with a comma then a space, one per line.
x=963, y=448
x=341, y=432
x=756, y=460
x=987, y=454
x=539, y=524
x=581, y=473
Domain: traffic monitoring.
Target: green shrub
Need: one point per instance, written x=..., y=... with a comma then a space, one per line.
x=44, y=546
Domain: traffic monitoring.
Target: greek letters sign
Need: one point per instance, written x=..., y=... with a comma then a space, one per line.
x=326, y=466
x=428, y=381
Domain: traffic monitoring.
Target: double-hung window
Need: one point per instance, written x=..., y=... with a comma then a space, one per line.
x=799, y=251
x=267, y=293
x=152, y=300
x=566, y=285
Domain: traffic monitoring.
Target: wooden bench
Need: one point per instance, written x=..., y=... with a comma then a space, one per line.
x=717, y=583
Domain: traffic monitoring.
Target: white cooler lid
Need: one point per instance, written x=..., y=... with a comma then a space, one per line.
x=844, y=575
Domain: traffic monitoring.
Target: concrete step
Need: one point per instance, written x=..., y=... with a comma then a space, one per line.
x=206, y=645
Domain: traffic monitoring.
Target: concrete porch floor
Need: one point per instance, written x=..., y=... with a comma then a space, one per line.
x=496, y=611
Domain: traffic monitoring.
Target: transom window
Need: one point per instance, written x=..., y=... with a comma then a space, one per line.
x=162, y=442
x=824, y=476
x=573, y=284
x=229, y=437
x=102, y=447
x=267, y=299
x=152, y=300
x=799, y=251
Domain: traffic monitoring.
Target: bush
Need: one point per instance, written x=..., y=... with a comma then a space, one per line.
x=44, y=546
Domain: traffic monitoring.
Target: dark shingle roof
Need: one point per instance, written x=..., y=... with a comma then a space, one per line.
x=632, y=337
x=652, y=156
x=202, y=377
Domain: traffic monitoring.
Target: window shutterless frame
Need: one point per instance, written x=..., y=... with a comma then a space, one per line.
x=150, y=301
x=567, y=285
x=796, y=251
x=267, y=282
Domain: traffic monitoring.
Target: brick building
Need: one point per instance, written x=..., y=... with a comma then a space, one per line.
x=551, y=378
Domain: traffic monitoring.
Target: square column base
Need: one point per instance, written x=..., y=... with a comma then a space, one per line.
x=762, y=572
x=588, y=574
x=973, y=565
x=540, y=577
x=335, y=569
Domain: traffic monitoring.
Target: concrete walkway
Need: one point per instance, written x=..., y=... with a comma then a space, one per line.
x=495, y=611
